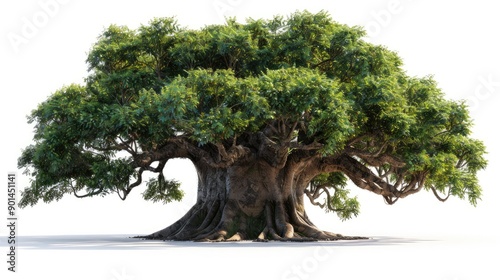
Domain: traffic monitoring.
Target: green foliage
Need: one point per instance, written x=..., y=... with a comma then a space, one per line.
x=298, y=94
x=163, y=190
x=222, y=83
x=339, y=201
x=224, y=106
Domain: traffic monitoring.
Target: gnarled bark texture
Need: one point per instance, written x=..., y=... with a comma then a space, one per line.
x=252, y=201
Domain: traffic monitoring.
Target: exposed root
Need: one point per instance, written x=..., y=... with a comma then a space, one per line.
x=236, y=237
x=217, y=221
x=262, y=235
x=171, y=230
x=289, y=232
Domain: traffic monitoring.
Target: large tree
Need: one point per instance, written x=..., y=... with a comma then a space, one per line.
x=270, y=112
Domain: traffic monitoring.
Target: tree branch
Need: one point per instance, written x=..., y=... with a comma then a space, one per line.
x=309, y=147
x=364, y=178
x=376, y=158
x=434, y=190
x=274, y=153
x=87, y=194
x=316, y=194
x=226, y=157
x=174, y=148
x=133, y=185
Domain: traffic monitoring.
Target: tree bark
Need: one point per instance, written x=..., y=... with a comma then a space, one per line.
x=251, y=201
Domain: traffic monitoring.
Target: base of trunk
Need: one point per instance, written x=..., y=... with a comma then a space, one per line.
x=254, y=201
x=217, y=221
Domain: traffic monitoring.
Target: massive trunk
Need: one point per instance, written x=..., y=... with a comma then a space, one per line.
x=252, y=201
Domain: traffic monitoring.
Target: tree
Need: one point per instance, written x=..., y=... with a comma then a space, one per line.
x=270, y=112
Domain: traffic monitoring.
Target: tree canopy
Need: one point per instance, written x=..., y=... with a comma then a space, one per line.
x=301, y=88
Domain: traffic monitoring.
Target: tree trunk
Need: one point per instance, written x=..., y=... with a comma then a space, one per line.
x=254, y=201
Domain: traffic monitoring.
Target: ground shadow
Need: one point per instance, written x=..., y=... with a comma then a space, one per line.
x=125, y=242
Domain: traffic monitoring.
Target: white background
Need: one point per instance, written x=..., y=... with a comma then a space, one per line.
x=44, y=45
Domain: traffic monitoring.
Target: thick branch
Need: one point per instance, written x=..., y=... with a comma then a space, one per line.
x=377, y=158
x=314, y=146
x=174, y=148
x=402, y=186
x=116, y=146
x=226, y=157
x=274, y=153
